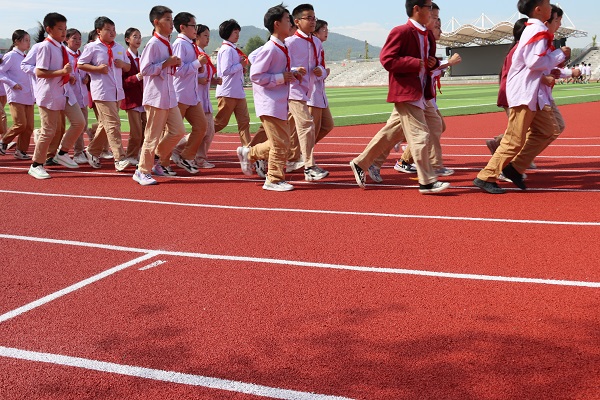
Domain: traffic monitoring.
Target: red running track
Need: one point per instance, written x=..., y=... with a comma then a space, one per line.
x=210, y=288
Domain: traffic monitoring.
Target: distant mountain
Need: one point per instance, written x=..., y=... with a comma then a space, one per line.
x=337, y=47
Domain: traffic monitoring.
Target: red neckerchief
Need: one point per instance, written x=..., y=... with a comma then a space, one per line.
x=541, y=36
x=75, y=55
x=314, y=46
x=209, y=66
x=190, y=41
x=166, y=43
x=241, y=53
x=425, y=34
x=437, y=83
x=287, y=54
x=109, y=47
x=323, y=58
x=65, y=78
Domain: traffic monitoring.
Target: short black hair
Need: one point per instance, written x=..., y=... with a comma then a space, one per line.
x=320, y=23
x=434, y=6
x=71, y=32
x=555, y=10
x=526, y=7
x=297, y=13
x=410, y=4
x=51, y=19
x=92, y=35
x=157, y=12
x=227, y=27
x=183, y=18
x=273, y=14
x=201, y=28
x=101, y=21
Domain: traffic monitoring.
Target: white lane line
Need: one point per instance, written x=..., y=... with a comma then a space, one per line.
x=152, y=265
x=44, y=300
x=310, y=211
x=296, y=263
x=163, y=375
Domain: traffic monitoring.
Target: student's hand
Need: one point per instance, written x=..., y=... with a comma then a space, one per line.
x=17, y=87
x=328, y=70
x=422, y=64
x=576, y=72
x=202, y=81
x=288, y=76
x=299, y=70
x=67, y=69
x=555, y=73
x=172, y=61
x=103, y=69
x=139, y=76
x=431, y=61
x=119, y=63
x=318, y=72
x=201, y=69
x=455, y=59
x=548, y=80
x=85, y=80
x=203, y=59
x=216, y=80
x=567, y=51
x=244, y=61
x=72, y=80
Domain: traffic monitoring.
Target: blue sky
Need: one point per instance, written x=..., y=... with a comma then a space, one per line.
x=349, y=18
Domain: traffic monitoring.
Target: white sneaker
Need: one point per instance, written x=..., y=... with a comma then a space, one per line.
x=188, y=165
x=175, y=158
x=203, y=164
x=65, y=160
x=292, y=166
x=242, y=153
x=435, y=187
x=121, y=165
x=38, y=172
x=133, y=161
x=375, y=175
x=20, y=155
x=314, y=173
x=143, y=179
x=11, y=145
x=80, y=158
x=532, y=165
x=159, y=170
x=443, y=171
x=92, y=160
x=261, y=168
x=107, y=155
x=281, y=186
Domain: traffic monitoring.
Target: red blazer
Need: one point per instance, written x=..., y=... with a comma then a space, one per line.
x=401, y=57
x=133, y=88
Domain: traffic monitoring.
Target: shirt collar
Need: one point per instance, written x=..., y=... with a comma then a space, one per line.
x=279, y=42
x=183, y=37
x=19, y=52
x=54, y=41
x=132, y=55
x=164, y=37
x=231, y=44
x=417, y=25
x=303, y=34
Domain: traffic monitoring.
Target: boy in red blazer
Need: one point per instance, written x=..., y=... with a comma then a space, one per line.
x=408, y=55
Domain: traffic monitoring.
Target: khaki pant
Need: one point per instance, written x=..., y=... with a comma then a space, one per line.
x=323, y=122
x=294, y=153
x=305, y=127
x=50, y=119
x=196, y=117
x=109, y=128
x=23, y=124
x=158, y=119
x=275, y=149
x=542, y=126
x=239, y=108
x=437, y=126
x=80, y=143
x=137, y=125
x=58, y=136
x=407, y=121
x=202, y=153
x=65, y=140
x=3, y=122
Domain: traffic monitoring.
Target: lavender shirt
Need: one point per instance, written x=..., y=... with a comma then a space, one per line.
x=266, y=73
x=105, y=87
x=231, y=70
x=158, y=82
x=186, y=76
x=50, y=92
x=302, y=54
x=11, y=75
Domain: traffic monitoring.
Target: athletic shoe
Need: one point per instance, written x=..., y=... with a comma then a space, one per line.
x=261, y=168
x=3, y=148
x=160, y=170
x=175, y=158
x=65, y=160
x=492, y=145
x=143, y=179
x=80, y=158
x=107, y=155
x=292, y=166
x=121, y=165
x=444, y=171
x=21, y=155
x=505, y=179
x=38, y=172
x=359, y=174
x=490, y=187
x=11, y=145
x=203, y=164
x=403, y=166
x=50, y=162
x=133, y=161
x=432, y=188
x=36, y=135
x=92, y=160
x=242, y=153
x=375, y=175
x=397, y=147
x=517, y=179
x=281, y=186
x=314, y=173
x=532, y=165
x=188, y=165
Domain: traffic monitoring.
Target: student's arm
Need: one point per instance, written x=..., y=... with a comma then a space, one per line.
x=122, y=64
x=186, y=69
x=391, y=55
x=230, y=62
x=6, y=65
x=28, y=63
x=87, y=63
x=536, y=62
x=150, y=63
x=41, y=66
x=259, y=71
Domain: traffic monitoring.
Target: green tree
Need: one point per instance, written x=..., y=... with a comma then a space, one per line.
x=253, y=43
x=594, y=40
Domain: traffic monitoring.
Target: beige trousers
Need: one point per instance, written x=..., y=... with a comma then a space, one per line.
x=158, y=119
x=239, y=108
x=275, y=149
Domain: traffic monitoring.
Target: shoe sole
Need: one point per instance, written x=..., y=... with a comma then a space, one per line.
x=248, y=170
x=192, y=171
x=142, y=183
x=361, y=184
x=275, y=189
x=482, y=187
x=39, y=176
x=404, y=170
x=436, y=190
x=374, y=179
x=65, y=164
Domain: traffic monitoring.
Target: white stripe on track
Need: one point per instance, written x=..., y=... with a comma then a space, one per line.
x=296, y=263
x=310, y=211
x=162, y=375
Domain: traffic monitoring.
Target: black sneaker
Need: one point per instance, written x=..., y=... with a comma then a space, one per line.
x=434, y=187
x=3, y=148
x=50, y=162
x=359, y=174
x=490, y=187
x=511, y=173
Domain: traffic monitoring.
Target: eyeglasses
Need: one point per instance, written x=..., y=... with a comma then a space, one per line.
x=188, y=25
x=430, y=6
x=311, y=19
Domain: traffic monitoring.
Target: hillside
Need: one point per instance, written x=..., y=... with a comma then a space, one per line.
x=336, y=48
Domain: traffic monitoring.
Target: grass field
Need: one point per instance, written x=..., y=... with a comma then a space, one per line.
x=367, y=105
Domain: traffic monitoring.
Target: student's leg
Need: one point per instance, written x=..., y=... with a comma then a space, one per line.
x=327, y=124
x=50, y=120
x=225, y=106
x=76, y=126
x=25, y=137
x=136, y=133
x=157, y=118
x=436, y=127
x=196, y=117
x=407, y=156
x=18, y=113
x=316, y=113
x=3, y=122
x=386, y=138
x=202, y=154
x=259, y=137
x=108, y=112
x=306, y=130
x=279, y=139
x=80, y=142
x=243, y=121
x=59, y=133
x=519, y=121
x=544, y=128
x=294, y=154
x=174, y=132
x=99, y=140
